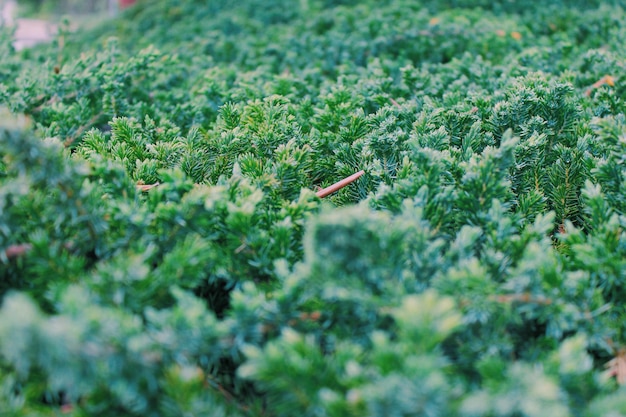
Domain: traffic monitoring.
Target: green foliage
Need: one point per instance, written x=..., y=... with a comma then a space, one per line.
x=163, y=252
x=403, y=376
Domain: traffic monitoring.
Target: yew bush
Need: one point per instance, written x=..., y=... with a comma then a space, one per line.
x=164, y=250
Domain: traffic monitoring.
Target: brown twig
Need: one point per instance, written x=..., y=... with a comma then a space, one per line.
x=521, y=298
x=339, y=185
x=147, y=187
x=15, y=251
x=617, y=367
x=606, y=80
x=82, y=129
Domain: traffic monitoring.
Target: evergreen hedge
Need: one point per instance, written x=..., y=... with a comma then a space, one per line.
x=163, y=251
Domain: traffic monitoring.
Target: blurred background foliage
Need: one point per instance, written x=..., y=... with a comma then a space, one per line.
x=41, y=8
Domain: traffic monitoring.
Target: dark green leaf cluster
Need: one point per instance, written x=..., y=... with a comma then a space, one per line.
x=163, y=251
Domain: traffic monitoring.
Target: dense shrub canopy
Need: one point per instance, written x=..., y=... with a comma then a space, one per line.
x=163, y=251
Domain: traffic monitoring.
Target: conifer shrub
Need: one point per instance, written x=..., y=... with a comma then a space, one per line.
x=164, y=250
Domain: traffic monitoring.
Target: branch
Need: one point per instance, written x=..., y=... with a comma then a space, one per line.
x=82, y=129
x=15, y=251
x=339, y=185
